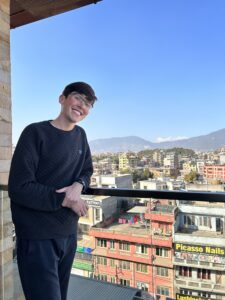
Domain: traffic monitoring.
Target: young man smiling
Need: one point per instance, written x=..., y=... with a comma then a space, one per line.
x=50, y=167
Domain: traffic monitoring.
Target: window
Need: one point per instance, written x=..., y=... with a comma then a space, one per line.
x=162, y=290
x=142, y=249
x=102, y=277
x=125, y=282
x=101, y=260
x=162, y=252
x=189, y=220
x=205, y=295
x=112, y=279
x=204, y=274
x=102, y=243
x=124, y=246
x=185, y=271
x=112, y=263
x=142, y=268
x=83, y=228
x=205, y=221
x=97, y=214
x=162, y=271
x=185, y=292
x=125, y=265
x=112, y=244
x=143, y=286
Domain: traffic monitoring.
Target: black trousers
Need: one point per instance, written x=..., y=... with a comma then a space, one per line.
x=45, y=266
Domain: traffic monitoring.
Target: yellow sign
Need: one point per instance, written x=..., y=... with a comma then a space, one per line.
x=188, y=297
x=179, y=247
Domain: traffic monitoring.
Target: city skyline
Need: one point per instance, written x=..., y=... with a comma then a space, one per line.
x=158, y=68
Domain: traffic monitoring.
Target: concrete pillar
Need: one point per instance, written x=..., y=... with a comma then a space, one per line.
x=6, y=244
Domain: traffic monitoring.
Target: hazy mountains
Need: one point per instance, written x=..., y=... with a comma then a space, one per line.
x=209, y=142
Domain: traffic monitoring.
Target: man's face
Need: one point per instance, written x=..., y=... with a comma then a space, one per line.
x=75, y=107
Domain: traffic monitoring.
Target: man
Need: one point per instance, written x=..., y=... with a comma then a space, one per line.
x=51, y=166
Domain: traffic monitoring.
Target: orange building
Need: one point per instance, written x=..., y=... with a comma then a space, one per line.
x=214, y=172
x=137, y=250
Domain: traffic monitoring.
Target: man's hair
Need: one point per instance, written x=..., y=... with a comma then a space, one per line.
x=81, y=88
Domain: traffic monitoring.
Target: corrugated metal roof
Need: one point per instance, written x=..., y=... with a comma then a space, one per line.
x=137, y=210
x=27, y=11
x=82, y=288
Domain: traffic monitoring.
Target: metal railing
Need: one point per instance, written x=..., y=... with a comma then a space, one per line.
x=158, y=194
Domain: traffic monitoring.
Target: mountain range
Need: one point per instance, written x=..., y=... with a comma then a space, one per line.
x=209, y=142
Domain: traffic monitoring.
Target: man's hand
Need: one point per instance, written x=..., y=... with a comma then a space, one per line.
x=73, y=200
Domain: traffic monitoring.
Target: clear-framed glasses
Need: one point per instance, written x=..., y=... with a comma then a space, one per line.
x=82, y=100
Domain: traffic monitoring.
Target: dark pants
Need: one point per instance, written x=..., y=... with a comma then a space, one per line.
x=45, y=266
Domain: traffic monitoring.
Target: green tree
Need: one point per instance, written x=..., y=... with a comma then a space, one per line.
x=191, y=177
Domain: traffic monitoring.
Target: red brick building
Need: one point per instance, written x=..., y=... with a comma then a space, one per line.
x=137, y=251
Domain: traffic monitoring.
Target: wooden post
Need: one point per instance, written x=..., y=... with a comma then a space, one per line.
x=6, y=243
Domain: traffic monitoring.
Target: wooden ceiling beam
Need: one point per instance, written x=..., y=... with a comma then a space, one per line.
x=23, y=12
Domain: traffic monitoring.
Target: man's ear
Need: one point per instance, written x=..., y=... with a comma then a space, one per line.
x=62, y=99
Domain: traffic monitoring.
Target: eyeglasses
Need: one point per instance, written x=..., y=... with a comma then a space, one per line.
x=81, y=99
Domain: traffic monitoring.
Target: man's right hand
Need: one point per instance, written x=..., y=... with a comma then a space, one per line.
x=73, y=200
x=79, y=207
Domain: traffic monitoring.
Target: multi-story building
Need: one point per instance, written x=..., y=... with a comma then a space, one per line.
x=189, y=167
x=152, y=184
x=128, y=161
x=102, y=209
x=171, y=161
x=83, y=262
x=137, y=251
x=158, y=157
x=200, y=166
x=199, y=252
x=112, y=181
x=214, y=172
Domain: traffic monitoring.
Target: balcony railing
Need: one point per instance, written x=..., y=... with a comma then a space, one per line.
x=211, y=197
x=175, y=195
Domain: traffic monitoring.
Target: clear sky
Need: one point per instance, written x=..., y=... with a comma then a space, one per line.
x=157, y=66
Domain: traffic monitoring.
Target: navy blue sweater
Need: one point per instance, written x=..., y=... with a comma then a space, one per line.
x=46, y=159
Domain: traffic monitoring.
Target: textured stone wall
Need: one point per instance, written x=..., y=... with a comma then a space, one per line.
x=6, y=243
x=5, y=94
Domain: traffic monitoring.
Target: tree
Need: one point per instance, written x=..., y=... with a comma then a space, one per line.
x=191, y=177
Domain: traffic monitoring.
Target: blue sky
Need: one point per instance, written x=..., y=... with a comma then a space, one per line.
x=157, y=66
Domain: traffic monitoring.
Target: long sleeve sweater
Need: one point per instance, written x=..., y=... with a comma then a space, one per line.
x=46, y=159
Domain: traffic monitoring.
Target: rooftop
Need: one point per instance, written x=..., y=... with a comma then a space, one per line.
x=98, y=290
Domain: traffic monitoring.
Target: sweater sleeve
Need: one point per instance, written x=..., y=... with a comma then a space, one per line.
x=87, y=170
x=23, y=187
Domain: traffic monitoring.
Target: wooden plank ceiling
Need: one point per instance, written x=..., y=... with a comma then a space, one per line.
x=26, y=11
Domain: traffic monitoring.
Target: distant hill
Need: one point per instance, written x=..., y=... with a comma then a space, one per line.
x=120, y=144
x=209, y=142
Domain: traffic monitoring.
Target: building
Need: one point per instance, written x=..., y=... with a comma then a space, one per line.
x=136, y=251
x=102, y=210
x=199, y=252
x=189, y=167
x=214, y=172
x=112, y=181
x=128, y=161
x=171, y=160
x=152, y=184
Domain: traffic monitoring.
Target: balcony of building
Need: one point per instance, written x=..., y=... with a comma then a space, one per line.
x=24, y=12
